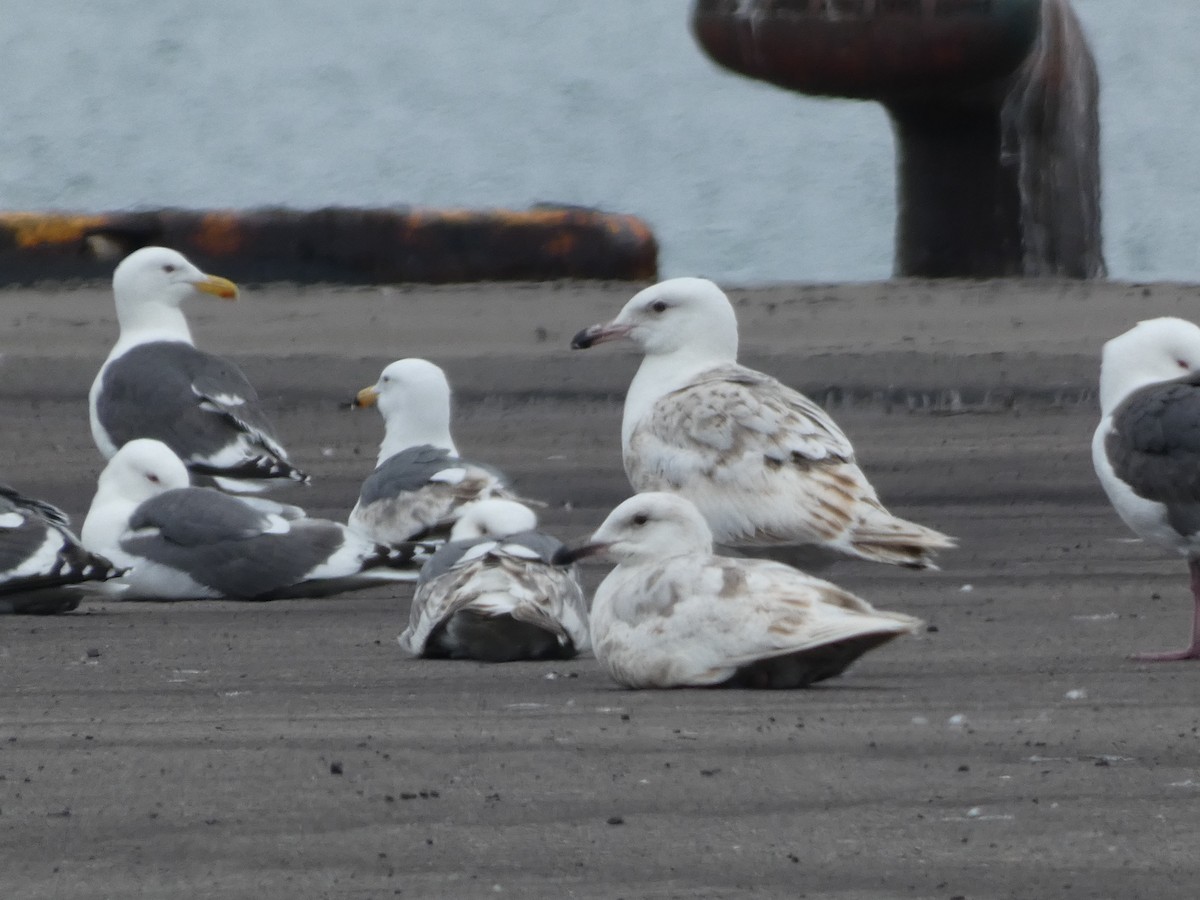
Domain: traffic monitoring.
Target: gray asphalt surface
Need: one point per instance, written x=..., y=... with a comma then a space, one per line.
x=289, y=750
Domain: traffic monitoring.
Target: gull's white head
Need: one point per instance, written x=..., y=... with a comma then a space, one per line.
x=142, y=469
x=493, y=518
x=158, y=276
x=1151, y=352
x=413, y=397
x=649, y=527
x=689, y=316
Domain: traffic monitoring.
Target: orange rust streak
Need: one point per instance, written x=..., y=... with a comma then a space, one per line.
x=561, y=245
x=220, y=234
x=32, y=229
x=513, y=217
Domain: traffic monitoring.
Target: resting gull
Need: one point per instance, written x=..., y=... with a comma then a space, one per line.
x=671, y=614
x=43, y=567
x=765, y=465
x=420, y=482
x=1146, y=449
x=190, y=543
x=493, y=592
x=156, y=384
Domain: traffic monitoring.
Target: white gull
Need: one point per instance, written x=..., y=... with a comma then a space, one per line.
x=765, y=465
x=672, y=614
x=420, y=483
x=156, y=384
x=494, y=592
x=191, y=543
x=1146, y=449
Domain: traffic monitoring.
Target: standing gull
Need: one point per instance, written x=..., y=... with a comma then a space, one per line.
x=156, y=384
x=191, y=543
x=671, y=614
x=43, y=567
x=765, y=465
x=1146, y=449
x=420, y=483
x=493, y=592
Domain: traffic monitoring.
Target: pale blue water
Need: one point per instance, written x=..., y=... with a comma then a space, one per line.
x=123, y=103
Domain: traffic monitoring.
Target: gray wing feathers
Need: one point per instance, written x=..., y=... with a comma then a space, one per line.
x=1155, y=443
x=39, y=555
x=410, y=470
x=1154, y=447
x=13, y=500
x=184, y=397
x=402, y=472
x=246, y=567
x=443, y=560
x=449, y=554
x=194, y=516
x=544, y=545
x=403, y=499
x=226, y=544
x=151, y=391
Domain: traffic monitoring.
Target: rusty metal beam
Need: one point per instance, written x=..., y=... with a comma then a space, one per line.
x=341, y=245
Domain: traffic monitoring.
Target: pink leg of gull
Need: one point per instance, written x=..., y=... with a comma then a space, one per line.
x=1193, y=650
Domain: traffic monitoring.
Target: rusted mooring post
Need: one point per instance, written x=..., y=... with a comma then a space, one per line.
x=994, y=107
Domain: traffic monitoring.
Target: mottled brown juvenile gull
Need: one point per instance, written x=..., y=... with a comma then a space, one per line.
x=1146, y=449
x=493, y=593
x=671, y=614
x=765, y=465
x=420, y=482
x=156, y=384
x=43, y=567
x=191, y=543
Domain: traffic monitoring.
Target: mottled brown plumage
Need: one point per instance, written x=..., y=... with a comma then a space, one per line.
x=764, y=464
x=673, y=614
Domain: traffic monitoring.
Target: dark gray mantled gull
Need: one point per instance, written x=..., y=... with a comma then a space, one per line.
x=156, y=384
x=766, y=466
x=420, y=482
x=43, y=567
x=186, y=543
x=1146, y=449
x=494, y=592
x=671, y=614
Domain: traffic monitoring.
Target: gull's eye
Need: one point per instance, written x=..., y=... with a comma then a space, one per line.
x=168, y=268
x=658, y=306
x=1183, y=364
x=154, y=478
x=641, y=519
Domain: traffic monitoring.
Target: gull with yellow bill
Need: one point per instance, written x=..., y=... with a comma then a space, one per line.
x=157, y=384
x=420, y=485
